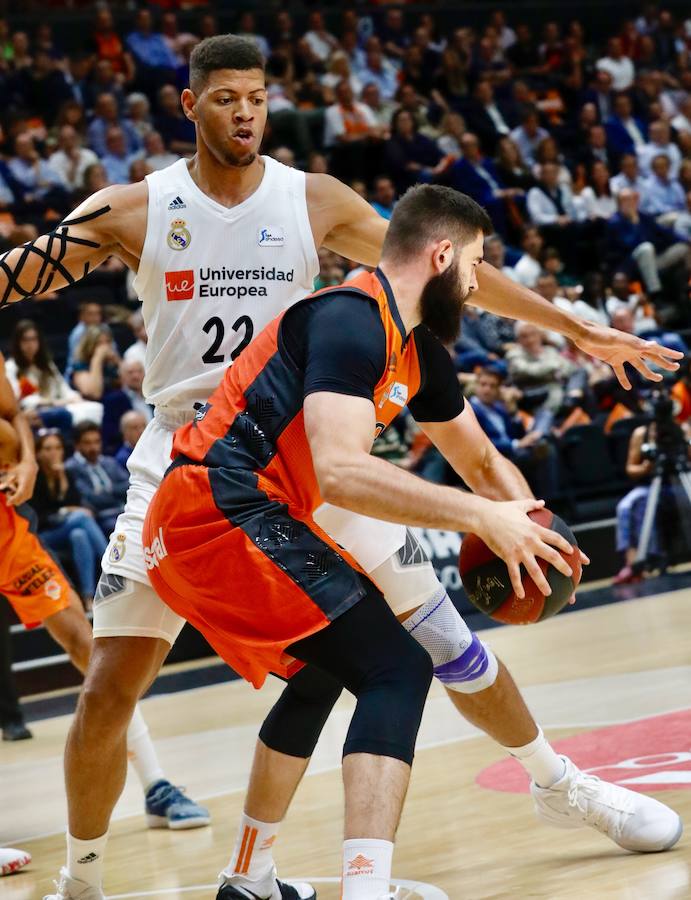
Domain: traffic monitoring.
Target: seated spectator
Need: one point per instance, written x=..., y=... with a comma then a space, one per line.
x=495, y=255
x=530, y=450
x=569, y=301
x=622, y=295
x=548, y=152
x=347, y=120
x=100, y=480
x=527, y=136
x=528, y=268
x=175, y=128
x=106, y=44
x=156, y=155
x=339, y=70
x=618, y=65
x=682, y=121
x=96, y=362
x=95, y=179
x=629, y=176
x=43, y=393
x=139, y=113
x=623, y=320
x=132, y=425
x=596, y=149
x=479, y=343
x=488, y=118
x=682, y=222
x=320, y=41
x=65, y=525
x=549, y=202
x=90, y=313
x=535, y=367
x=378, y=70
x=659, y=143
x=71, y=160
x=625, y=134
x=137, y=350
x=382, y=110
x=636, y=243
x=116, y=160
x=452, y=129
x=509, y=168
x=662, y=195
x=139, y=169
x=155, y=61
x=106, y=116
x=42, y=187
x=601, y=95
x=383, y=196
x=103, y=79
x=128, y=396
x=595, y=200
x=410, y=156
x=42, y=86
x=247, y=28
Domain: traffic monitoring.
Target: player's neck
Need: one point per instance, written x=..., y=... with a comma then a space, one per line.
x=227, y=185
x=407, y=288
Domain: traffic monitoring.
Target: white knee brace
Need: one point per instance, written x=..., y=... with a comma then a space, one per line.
x=462, y=662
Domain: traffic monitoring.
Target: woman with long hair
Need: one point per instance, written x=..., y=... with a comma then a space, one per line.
x=596, y=200
x=42, y=391
x=96, y=362
x=509, y=168
x=63, y=523
x=411, y=157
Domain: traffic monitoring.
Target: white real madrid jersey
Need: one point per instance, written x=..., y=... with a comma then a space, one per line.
x=211, y=278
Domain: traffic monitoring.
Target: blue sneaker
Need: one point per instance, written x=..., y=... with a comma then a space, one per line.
x=168, y=807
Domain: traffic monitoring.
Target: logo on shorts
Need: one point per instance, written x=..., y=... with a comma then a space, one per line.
x=271, y=236
x=156, y=552
x=360, y=865
x=52, y=589
x=117, y=551
x=179, y=237
x=180, y=285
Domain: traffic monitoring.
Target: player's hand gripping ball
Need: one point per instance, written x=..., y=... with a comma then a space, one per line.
x=488, y=586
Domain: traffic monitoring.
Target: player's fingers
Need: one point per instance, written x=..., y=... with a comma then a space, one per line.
x=530, y=505
x=622, y=377
x=585, y=560
x=663, y=355
x=556, y=540
x=572, y=599
x=515, y=576
x=533, y=568
x=646, y=371
x=544, y=551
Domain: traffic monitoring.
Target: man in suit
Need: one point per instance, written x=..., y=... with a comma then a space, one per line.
x=101, y=480
x=625, y=134
x=487, y=118
x=529, y=450
x=117, y=403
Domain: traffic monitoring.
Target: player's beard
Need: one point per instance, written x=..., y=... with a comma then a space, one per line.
x=240, y=162
x=441, y=304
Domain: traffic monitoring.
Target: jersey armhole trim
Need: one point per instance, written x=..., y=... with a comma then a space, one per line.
x=310, y=250
x=142, y=279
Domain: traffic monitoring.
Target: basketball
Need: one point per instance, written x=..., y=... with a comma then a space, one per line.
x=488, y=586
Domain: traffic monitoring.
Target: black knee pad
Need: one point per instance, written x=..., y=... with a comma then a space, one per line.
x=294, y=724
x=391, y=701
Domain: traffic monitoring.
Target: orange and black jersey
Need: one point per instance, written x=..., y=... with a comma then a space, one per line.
x=347, y=340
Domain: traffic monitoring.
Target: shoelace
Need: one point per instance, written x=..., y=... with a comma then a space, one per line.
x=607, y=799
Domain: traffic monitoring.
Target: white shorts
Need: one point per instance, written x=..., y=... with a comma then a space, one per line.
x=141, y=613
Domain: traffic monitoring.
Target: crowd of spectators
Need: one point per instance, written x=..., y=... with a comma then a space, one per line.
x=578, y=144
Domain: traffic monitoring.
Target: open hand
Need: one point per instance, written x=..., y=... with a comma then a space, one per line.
x=617, y=347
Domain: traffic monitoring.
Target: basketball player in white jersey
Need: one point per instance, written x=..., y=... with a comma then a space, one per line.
x=220, y=245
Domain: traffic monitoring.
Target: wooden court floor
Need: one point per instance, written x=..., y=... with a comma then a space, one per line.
x=613, y=683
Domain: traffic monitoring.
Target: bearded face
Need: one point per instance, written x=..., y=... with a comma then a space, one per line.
x=441, y=303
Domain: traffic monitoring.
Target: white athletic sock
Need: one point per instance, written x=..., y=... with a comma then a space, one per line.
x=538, y=758
x=85, y=859
x=253, y=855
x=366, y=869
x=141, y=752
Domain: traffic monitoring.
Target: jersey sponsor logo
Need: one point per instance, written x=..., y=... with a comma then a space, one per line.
x=214, y=282
x=177, y=203
x=32, y=579
x=179, y=237
x=156, y=552
x=398, y=393
x=180, y=285
x=271, y=236
x=117, y=551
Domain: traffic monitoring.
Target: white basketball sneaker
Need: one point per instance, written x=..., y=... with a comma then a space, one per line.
x=634, y=821
x=69, y=888
x=12, y=860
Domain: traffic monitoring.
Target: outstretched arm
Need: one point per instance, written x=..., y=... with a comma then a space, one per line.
x=112, y=221
x=17, y=481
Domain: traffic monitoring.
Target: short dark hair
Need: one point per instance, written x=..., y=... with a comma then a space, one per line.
x=223, y=51
x=85, y=428
x=432, y=211
x=493, y=372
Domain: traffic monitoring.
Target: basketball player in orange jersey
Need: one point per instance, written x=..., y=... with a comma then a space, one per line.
x=292, y=426
x=239, y=231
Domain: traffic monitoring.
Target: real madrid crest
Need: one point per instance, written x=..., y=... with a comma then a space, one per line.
x=179, y=236
x=117, y=551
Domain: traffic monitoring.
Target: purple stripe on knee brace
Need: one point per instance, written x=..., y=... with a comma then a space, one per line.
x=470, y=665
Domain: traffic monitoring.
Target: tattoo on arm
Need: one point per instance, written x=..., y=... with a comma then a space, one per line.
x=58, y=242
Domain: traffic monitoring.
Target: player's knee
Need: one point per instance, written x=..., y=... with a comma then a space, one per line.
x=462, y=662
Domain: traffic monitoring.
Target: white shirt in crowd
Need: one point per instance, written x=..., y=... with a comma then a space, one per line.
x=621, y=70
x=583, y=309
x=135, y=352
x=591, y=206
x=642, y=323
x=334, y=122
x=158, y=161
x=527, y=271
x=620, y=182
x=543, y=210
x=71, y=174
x=649, y=151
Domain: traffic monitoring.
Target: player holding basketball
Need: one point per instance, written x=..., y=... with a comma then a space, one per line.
x=235, y=231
